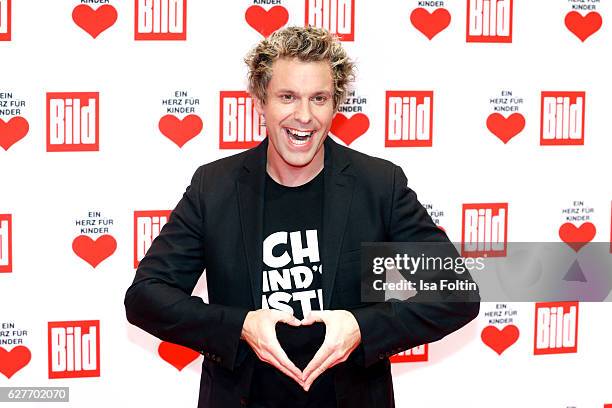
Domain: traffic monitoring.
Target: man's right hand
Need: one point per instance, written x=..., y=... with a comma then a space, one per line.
x=259, y=331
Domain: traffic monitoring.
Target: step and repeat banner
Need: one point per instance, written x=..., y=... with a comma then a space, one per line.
x=497, y=110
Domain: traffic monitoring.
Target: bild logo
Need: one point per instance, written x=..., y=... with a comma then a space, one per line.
x=336, y=16
x=489, y=21
x=72, y=121
x=6, y=240
x=484, y=230
x=240, y=126
x=418, y=353
x=74, y=349
x=562, y=118
x=160, y=20
x=556, y=328
x=147, y=225
x=5, y=20
x=408, y=118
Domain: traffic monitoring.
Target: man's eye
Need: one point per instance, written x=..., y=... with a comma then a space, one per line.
x=287, y=97
x=320, y=99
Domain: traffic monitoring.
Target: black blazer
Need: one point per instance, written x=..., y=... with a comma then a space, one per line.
x=217, y=226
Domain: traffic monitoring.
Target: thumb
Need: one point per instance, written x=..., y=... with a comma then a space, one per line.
x=290, y=320
x=313, y=316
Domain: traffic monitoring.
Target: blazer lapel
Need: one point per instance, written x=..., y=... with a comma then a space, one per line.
x=337, y=197
x=250, y=188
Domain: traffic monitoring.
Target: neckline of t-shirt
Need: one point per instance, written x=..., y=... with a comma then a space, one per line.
x=295, y=188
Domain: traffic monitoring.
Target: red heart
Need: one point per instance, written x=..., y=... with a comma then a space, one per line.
x=428, y=23
x=94, y=252
x=266, y=22
x=505, y=128
x=577, y=237
x=13, y=131
x=349, y=129
x=180, y=131
x=583, y=26
x=176, y=355
x=14, y=360
x=500, y=340
x=94, y=21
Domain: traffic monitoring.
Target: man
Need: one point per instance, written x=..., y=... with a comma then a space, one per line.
x=279, y=230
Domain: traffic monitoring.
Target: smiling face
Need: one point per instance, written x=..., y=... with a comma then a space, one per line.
x=298, y=112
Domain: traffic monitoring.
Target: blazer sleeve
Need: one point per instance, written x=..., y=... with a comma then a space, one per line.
x=390, y=327
x=159, y=300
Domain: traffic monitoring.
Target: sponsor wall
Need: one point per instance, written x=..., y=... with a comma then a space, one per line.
x=495, y=109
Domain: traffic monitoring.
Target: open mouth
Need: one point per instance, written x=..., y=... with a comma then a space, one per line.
x=299, y=137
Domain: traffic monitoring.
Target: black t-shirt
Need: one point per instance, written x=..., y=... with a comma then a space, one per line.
x=292, y=270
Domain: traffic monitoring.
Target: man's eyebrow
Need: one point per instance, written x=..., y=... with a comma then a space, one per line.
x=320, y=92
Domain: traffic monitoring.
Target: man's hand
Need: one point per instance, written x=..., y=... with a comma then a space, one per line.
x=342, y=336
x=259, y=331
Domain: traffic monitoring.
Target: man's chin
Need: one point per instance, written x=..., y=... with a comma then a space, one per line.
x=298, y=160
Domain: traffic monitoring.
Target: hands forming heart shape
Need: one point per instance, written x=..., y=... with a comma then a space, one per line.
x=342, y=336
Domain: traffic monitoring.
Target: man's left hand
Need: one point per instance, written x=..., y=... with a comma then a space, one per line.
x=342, y=336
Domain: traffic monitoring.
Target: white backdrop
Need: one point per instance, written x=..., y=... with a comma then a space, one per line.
x=47, y=274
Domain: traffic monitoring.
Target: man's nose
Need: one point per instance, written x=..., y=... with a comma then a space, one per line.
x=302, y=112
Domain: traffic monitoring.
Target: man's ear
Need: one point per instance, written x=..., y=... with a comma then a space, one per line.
x=258, y=105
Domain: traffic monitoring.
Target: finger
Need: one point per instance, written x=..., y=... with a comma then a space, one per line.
x=313, y=316
x=329, y=362
x=289, y=319
x=320, y=356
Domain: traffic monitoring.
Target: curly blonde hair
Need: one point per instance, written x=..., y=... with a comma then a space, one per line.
x=307, y=44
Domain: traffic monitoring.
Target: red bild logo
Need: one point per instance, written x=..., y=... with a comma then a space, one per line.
x=408, y=118
x=489, y=21
x=5, y=20
x=562, y=118
x=484, y=230
x=72, y=121
x=240, y=126
x=74, y=349
x=6, y=240
x=336, y=16
x=556, y=328
x=147, y=225
x=160, y=20
x=415, y=354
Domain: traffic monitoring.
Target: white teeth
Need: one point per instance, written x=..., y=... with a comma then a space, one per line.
x=299, y=142
x=300, y=133
x=298, y=137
